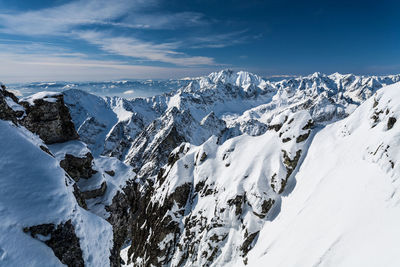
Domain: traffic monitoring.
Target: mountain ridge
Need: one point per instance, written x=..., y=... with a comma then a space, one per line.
x=198, y=176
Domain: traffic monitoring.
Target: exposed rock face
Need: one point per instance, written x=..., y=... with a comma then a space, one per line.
x=125, y=205
x=79, y=197
x=50, y=120
x=155, y=227
x=95, y=192
x=391, y=122
x=6, y=111
x=61, y=239
x=78, y=167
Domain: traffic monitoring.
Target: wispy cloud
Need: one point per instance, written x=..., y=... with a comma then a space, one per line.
x=219, y=40
x=68, y=19
x=135, y=48
x=16, y=67
x=111, y=26
x=166, y=20
x=60, y=19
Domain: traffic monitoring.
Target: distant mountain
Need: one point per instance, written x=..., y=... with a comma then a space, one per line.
x=229, y=169
x=123, y=88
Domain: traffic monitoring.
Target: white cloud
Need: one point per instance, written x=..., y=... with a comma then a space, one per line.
x=16, y=67
x=66, y=20
x=60, y=19
x=129, y=92
x=135, y=48
x=45, y=61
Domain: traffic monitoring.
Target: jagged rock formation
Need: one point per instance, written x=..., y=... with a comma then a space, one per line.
x=83, y=183
x=78, y=167
x=43, y=114
x=62, y=240
x=9, y=108
x=48, y=117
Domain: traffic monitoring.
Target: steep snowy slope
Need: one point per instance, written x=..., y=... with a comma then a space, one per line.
x=344, y=209
x=55, y=197
x=216, y=201
x=35, y=191
x=216, y=198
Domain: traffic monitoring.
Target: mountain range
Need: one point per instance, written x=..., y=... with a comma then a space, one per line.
x=229, y=169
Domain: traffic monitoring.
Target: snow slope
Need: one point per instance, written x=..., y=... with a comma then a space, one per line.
x=345, y=208
x=34, y=190
x=329, y=198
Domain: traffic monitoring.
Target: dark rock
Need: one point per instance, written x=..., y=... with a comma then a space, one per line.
x=391, y=122
x=50, y=120
x=111, y=172
x=203, y=157
x=376, y=117
x=96, y=192
x=275, y=127
x=7, y=113
x=287, y=139
x=61, y=239
x=309, y=125
x=375, y=103
x=265, y=207
x=302, y=137
x=120, y=220
x=247, y=244
x=78, y=167
x=200, y=186
x=173, y=157
x=290, y=165
x=151, y=225
x=79, y=197
x=45, y=149
x=238, y=202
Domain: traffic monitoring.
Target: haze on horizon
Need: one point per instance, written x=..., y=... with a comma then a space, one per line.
x=82, y=40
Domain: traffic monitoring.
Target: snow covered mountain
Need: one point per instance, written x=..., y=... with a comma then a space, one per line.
x=123, y=88
x=229, y=170
x=344, y=209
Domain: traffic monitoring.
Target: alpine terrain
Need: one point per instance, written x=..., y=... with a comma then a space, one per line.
x=231, y=169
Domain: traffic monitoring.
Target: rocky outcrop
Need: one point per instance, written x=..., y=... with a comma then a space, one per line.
x=391, y=122
x=98, y=192
x=78, y=167
x=126, y=205
x=45, y=116
x=50, y=120
x=6, y=111
x=61, y=239
x=157, y=230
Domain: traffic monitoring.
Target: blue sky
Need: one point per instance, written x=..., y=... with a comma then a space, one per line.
x=104, y=39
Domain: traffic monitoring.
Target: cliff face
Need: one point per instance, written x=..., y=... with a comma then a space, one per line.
x=43, y=114
x=49, y=118
x=55, y=176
